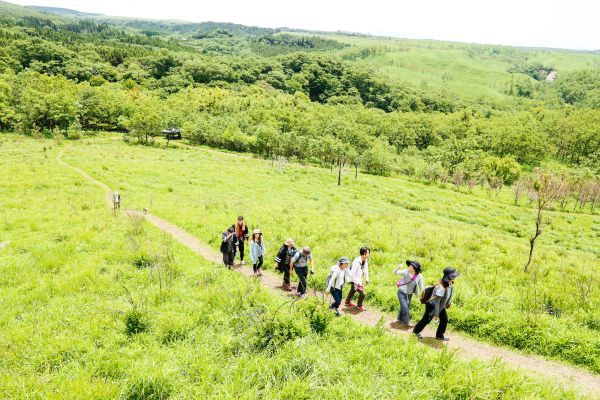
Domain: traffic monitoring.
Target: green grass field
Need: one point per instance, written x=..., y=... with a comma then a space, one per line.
x=550, y=310
x=468, y=71
x=96, y=306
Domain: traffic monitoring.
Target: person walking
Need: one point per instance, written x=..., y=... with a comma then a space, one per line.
x=228, y=241
x=436, y=306
x=359, y=268
x=299, y=263
x=258, y=250
x=335, y=282
x=411, y=281
x=283, y=258
x=241, y=231
x=116, y=201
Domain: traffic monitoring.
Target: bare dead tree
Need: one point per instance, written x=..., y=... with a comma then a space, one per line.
x=546, y=186
x=520, y=186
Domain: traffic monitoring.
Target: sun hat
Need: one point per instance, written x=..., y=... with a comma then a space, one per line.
x=415, y=264
x=343, y=260
x=306, y=250
x=289, y=241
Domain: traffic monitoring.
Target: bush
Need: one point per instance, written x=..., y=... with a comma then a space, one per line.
x=136, y=321
x=273, y=333
x=318, y=316
x=149, y=388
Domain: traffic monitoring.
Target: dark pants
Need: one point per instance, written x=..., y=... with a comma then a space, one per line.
x=228, y=257
x=302, y=273
x=404, y=312
x=241, y=249
x=286, y=274
x=361, y=295
x=259, y=264
x=428, y=316
x=337, y=298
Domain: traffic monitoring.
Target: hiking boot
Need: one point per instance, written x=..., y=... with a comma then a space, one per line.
x=350, y=304
x=418, y=335
x=286, y=287
x=337, y=313
x=361, y=308
x=242, y=262
x=443, y=339
x=259, y=272
x=303, y=296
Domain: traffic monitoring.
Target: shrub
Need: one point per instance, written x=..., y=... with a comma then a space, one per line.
x=273, y=333
x=136, y=321
x=148, y=388
x=317, y=315
x=142, y=261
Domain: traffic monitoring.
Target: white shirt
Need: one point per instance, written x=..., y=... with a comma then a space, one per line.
x=338, y=277
x=357, y=270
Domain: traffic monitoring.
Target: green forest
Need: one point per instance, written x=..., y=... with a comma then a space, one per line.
x=308, y=96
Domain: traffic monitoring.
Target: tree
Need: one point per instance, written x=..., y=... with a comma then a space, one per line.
x=145, y=122
x=378, y=158
x=546, y=186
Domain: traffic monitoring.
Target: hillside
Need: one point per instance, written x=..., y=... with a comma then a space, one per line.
x=133, y=314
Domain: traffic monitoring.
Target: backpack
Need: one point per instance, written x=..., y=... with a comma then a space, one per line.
x=426, y=294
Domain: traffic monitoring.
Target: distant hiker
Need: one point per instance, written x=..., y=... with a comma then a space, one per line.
x=283, y=258
x=359, y=268
x=435, y=308
x=228, y=242
x=299, y=263
x=116, y=198
x=257, y=252
x=335, y=282
x=241, y=231
x=411, y=282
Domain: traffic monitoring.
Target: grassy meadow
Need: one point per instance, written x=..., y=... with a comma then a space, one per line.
x=95, y=305
x=468, y=71
x=552, y=310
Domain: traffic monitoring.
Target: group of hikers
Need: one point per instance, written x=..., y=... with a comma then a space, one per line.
x=437, y=298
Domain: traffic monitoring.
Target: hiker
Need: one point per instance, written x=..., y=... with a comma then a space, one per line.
x=228, y=241
x=116, y=201
x=284, y=255
x=411, y=282
x=359, y=268
x=299, y=263
x=335, y=282
x=241, y=231
x=435, y=308
x=257, y=252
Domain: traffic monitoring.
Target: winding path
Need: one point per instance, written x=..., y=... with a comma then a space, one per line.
x=567, y=376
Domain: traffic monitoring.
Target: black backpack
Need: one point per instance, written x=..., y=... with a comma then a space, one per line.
x=426, y=294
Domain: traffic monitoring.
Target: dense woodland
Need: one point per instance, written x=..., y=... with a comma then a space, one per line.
x=295, y=95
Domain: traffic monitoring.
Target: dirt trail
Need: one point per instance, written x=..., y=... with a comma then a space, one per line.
x=561, y=374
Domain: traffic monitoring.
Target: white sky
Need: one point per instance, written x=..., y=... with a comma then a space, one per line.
x=573, y=24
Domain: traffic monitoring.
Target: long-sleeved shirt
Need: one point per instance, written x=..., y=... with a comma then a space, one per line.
x=442, y=298
x=338, y=277
x=257, y=250
x=228, y=243
x=408, y=285
x=358, y=270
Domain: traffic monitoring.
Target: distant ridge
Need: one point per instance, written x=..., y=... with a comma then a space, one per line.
x=64, y=11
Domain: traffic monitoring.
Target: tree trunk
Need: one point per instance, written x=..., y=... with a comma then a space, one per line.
x=355, y=171
x=340, y=173
x=538, y=232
